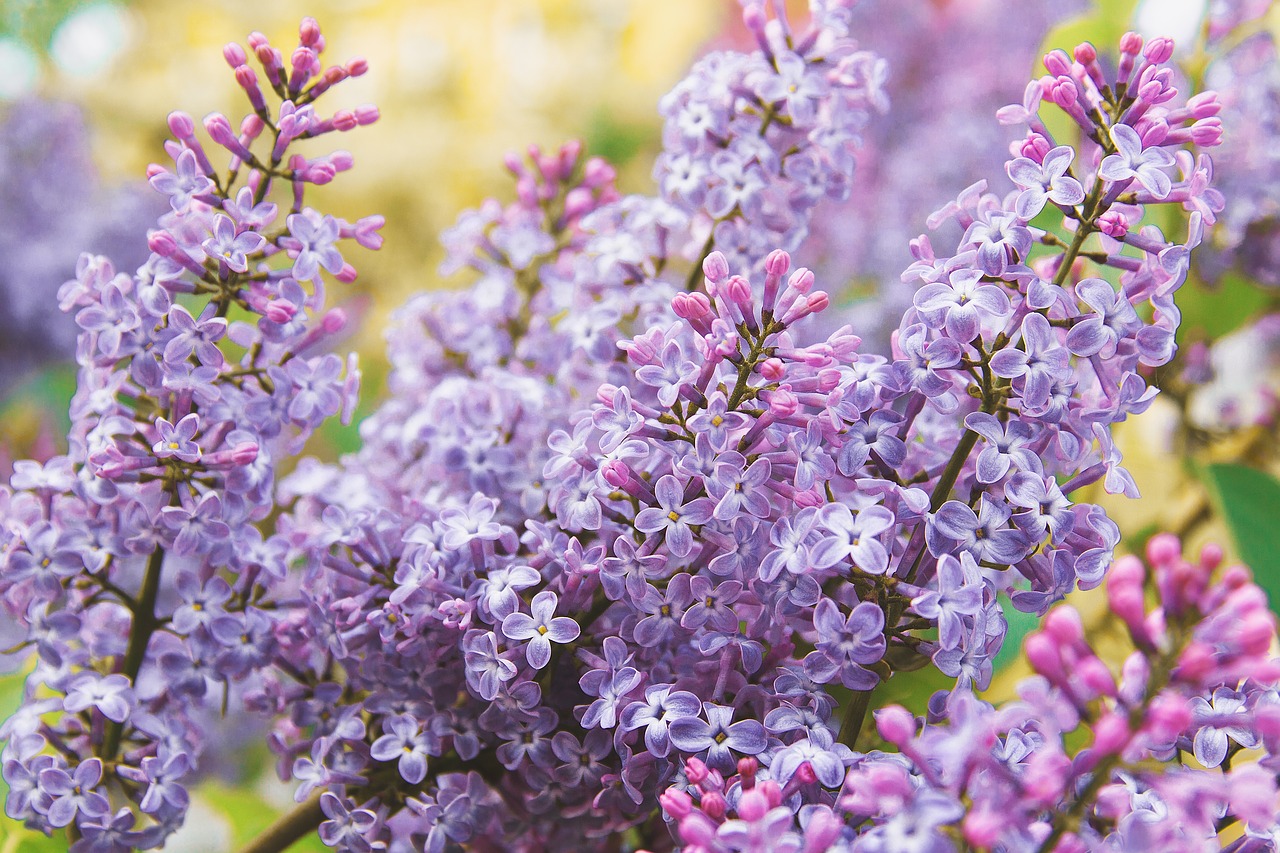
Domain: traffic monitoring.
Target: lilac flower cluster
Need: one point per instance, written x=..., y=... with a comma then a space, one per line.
x=752, y=142
x=924, y=149
x=723, y=552
x=132, y=561
x=614, y=538
x=1084, y=759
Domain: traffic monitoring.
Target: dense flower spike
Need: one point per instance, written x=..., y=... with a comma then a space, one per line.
x=138, y=553
x=630, y=552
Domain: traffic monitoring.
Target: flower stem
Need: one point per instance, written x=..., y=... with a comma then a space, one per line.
x=289, y=828
x=144, y=625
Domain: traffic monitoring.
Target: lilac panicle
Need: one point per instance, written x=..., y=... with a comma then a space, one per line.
x=136, y=557
x=630, y=545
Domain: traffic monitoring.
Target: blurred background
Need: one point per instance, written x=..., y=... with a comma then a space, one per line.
x=85, y=88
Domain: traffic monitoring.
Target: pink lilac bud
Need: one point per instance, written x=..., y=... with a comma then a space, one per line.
x=599, y=173
x=822, y=831
x=234, y=55
x=1057, y=63
x=772, y=792
x=1130, y=47
x=715, y=268
x=248, y=80
x=357, y=67
x=309, y=32
x=181, y=125
x=714, y=805
x=1114, y=224
x=1125, y=595
x=773, y=369
x=776, y=266
x=1042, y=654
x=1168, y=715
x=577, y=202
x=747, y=769
x=1111, y=733
x=1065, y=625
x=696, y=771
x=896, y=725
x=753, y=805
x=1159, y=50
x=982, y=826
x=616, y=473
x=1093, y=673
x=676, y=803
x=1035, y=147
x=219, y=130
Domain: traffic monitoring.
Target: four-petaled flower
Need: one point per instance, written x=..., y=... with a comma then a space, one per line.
x=541, y=629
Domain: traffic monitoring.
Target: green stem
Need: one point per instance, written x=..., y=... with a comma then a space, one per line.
x=855, y=714
x=144, y=625
x=691, y=283
x=290, y=828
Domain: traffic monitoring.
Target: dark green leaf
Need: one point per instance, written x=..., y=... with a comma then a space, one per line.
x=1249, y=501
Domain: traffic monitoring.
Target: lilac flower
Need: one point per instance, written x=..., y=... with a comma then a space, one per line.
x=961, y=304
x=812, y=460
x=673, y=516
x=313, y=237
x=1002, y=241
x=315, y=388
x=346, y=828
x=661, y=706
x=231, y=248
x=541, y=629
x=486, y=668
x=851, y=536
x=1099, y=333
x=46, y=559
x=876, y=434
x=959, y=593
x=795, y=86
x=1045, y=182
x=1047, y=511
x=736, y=491
x=981, y=534
x=113, y=320
x=669, y=374
x=1037, y=365
x=1131, y=160
x=1005, y=444
x=188, y=183
x=164, y=783
x=73, y=795
x=717, y=422
x=407, y=743
x=617, y=421
x=718, y=735
x=1218, y=719
x=846, y=642
x=111, y=694
x=175, y=440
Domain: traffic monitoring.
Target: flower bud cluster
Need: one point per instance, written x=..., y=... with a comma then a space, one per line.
x=1088, y=758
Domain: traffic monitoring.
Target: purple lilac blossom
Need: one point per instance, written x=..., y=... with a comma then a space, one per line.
x=519, y=614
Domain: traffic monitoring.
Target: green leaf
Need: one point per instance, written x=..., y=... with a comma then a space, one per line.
x=1249, y=501
x=1211, y=311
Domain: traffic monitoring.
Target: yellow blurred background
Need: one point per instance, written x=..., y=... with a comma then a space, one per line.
x=459, y=83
